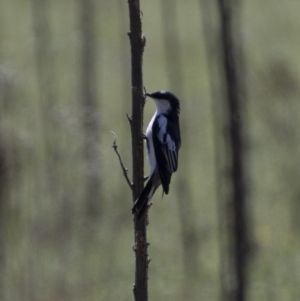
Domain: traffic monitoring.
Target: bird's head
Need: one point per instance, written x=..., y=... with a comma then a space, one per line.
x=165, y=101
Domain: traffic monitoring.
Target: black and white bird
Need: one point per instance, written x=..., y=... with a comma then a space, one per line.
x=163, y=143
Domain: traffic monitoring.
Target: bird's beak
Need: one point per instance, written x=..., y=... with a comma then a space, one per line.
x=148, y=94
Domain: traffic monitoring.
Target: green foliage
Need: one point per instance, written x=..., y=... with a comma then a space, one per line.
x=52, y=250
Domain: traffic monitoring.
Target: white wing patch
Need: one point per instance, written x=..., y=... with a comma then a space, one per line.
x=168, y=146
x=162, y=123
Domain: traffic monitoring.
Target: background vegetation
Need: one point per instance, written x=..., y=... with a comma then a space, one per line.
x=66, y=226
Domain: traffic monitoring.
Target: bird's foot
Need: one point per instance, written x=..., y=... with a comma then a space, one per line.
x=147, y=142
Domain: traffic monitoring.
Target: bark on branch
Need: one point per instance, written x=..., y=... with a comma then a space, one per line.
x=137, y=42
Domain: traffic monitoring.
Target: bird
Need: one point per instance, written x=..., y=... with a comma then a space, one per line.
x=163, y=142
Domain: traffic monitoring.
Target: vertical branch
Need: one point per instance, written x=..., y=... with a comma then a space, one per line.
x=137, y=42
x=89, y=104
x=234, y=97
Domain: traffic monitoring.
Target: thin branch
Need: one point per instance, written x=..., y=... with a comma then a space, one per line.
x=129, y=119
x=124, y=169
x=137, y=43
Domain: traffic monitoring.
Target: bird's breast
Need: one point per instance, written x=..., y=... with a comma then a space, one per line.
x=150, y=148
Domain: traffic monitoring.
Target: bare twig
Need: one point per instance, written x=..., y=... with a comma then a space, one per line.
x=125, y=170
x=129, y=118
x=144, y=95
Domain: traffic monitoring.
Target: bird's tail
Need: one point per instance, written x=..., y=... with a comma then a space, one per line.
x=143, y=200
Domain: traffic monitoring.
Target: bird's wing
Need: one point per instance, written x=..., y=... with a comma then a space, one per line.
x=166, y=142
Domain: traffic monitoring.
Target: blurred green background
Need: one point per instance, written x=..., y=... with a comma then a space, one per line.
x=66, y=225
